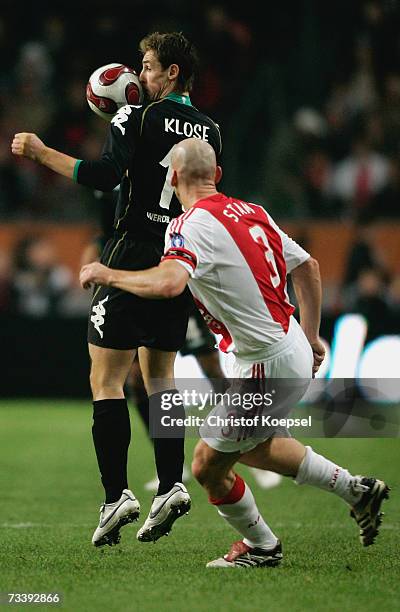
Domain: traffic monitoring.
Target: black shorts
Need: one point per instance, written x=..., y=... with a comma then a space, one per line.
x=199, y=339
x=121, y=320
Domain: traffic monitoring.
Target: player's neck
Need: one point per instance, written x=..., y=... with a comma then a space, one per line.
x=191, y=196
x=171, y=89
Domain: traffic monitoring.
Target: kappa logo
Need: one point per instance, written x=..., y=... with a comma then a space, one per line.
x=255, y=522
x=120, y=117
x=98, y=317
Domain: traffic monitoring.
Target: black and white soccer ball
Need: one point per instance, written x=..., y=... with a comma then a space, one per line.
x=112, y=86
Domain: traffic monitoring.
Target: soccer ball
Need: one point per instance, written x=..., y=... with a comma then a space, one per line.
x=112, y=86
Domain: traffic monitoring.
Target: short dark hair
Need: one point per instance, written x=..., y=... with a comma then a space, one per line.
x=173, y=48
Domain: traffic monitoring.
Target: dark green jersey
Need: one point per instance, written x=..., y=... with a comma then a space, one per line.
x=137, y=154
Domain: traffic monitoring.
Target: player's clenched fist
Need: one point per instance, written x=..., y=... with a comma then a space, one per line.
x=319, y=354
x=94, y=273
x=28, y=145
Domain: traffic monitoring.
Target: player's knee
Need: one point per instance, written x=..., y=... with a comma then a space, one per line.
x=205, y=472
x=103, y=385
x=96, y=381
x=200, y=468
x=201, y=472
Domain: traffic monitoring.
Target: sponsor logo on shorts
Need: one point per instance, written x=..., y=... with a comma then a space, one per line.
x=98, y=317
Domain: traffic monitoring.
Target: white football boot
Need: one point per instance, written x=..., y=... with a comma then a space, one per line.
x=164, y=511
x=113, y=517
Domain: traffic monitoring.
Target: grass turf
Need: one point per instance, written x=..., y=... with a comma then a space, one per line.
x=50, y=493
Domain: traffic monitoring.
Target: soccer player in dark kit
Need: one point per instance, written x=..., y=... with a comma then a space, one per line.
x=137, y=155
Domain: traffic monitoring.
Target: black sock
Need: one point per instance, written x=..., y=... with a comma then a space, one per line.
x=169, y=452
x=111, y=436
x=142, y=404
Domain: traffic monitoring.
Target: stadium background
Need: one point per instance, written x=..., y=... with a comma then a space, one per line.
x=309, y=103
x=308, y=99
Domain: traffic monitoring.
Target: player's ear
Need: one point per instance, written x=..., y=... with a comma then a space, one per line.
x=174, y=179
x=173, y=71
x=218, y=174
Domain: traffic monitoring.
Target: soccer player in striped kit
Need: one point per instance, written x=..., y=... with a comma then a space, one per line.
x=235, y=260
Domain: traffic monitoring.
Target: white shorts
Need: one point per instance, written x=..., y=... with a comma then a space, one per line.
x=290, y=358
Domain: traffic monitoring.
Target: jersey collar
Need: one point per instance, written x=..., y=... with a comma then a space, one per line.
x=180, y=98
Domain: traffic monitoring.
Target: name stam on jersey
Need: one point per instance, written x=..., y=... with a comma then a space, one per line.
x=237, y=209
x=187, y=129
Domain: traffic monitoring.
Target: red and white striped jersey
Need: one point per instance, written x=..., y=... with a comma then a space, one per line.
x=238, y=259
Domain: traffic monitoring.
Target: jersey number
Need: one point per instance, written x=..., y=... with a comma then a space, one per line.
x=168, y=190
x=259, y=236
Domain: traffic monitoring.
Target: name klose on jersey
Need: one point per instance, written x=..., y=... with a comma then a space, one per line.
x=187, y=129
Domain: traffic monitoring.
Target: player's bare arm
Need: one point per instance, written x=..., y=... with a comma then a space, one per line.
x=167, y=280
x=102, y=174
x=307, y=286
x=30, y=146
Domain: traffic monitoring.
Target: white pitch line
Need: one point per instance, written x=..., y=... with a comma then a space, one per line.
x=336, y=526
x=39, y=525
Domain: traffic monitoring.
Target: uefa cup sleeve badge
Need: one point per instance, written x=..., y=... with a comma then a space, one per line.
x=177, y=240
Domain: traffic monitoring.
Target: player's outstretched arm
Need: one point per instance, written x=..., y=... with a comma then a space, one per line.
x=307, y=286
x=30, y=145
x=167, y=280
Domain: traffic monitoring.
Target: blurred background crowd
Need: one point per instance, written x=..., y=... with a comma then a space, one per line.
x=311, y=92
x=308, y=100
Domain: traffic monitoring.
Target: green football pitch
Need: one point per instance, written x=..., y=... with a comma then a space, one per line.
x=50, y=495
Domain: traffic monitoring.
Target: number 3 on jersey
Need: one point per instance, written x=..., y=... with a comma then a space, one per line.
x=258, y=235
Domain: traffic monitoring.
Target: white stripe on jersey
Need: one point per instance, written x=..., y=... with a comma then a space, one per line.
x=177, y=223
